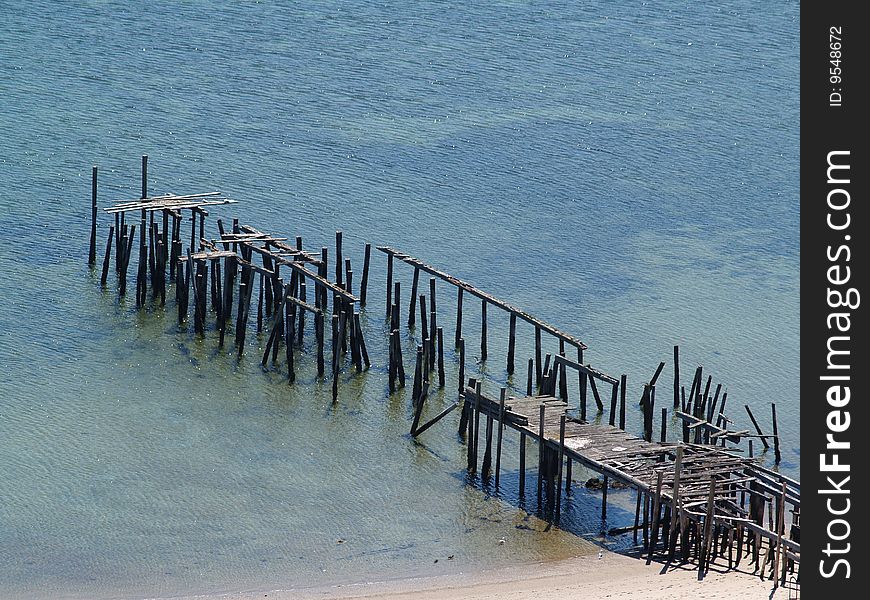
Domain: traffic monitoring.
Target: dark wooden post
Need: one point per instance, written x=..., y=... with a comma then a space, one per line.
x=412, y=308
x=529, y=382
x=339, y=261
x=108, y=256
x=458, y=315
x=623, y=382
x=441, y=357
x=512, y=339
x=613, y=399
x=364, y=282
x=538, y=370
x=483, y=352
x=664, y=434
x=676, y=376
x=389, y=283
x=433, y=323
x=92, y=249
x=757, y=428
x=777, y=455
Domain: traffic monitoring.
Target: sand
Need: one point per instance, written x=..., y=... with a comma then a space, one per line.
x=612, y=577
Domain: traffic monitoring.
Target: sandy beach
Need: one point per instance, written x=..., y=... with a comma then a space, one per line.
x=612, y=577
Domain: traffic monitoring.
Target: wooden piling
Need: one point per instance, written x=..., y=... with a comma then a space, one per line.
x=664, y=433
x=512, y=339
x=539, y=373
x=458, y=314
x=92, y=247
x=108, y=256
x=483, y=351
x=757, y=428
x=441, y=357
x=777, y=455
x=412, y=308
x=529, y=383
x=361, y=342
x=433, y=323
x=389, y=283
x=655, y=517
x=364, y=281
x=339, y=260
x=623, y=383
x=675, y=504
x=613, y=399
x=487, y=455
x=500, y=429
x=676, y=376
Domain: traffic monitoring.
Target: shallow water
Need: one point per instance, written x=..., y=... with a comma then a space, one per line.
x=629, y=174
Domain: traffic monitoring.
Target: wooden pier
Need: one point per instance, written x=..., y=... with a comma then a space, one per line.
x=694, y=496
x=697, y=490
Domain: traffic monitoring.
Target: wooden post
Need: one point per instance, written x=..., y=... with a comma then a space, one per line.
x=458, y=315
x=483, y=352
x=433, y=323
x=364, y=282
x=108, y=256
x=540, y=451
x=539, y=374
x=704, y=564
x=676, y=376
x=389, y=283
x=412, y=308
x=655, y=517
x=613, y=399
x=531, y=371
x=664, y=434
x=339, y=261
x=623, y=383
x=560, y=460
x=487, y=455
x=500, y=429
x=92, y=249
x=512, y=339
x=361, y=341
x=582, y=380
x=324, y=273
x=777, y=455
x=141, y=285
x=757, y=428
x=417, y=385
x=441, y=357
x=424, y=322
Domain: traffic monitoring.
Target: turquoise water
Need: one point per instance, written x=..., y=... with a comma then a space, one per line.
x=627, y=173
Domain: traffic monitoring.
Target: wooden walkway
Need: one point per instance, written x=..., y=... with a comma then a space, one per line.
x=705, y=486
